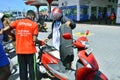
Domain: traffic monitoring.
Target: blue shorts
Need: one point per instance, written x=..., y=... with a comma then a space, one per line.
x=3, y=58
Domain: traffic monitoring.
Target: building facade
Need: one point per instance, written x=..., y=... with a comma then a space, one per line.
x=80, y=10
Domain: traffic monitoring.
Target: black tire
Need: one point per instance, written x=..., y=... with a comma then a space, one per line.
x=40, y=75
x=54, y=79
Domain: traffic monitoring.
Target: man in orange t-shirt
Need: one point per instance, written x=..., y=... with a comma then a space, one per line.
x=26, y=31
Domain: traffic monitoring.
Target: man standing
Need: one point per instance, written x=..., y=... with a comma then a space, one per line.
x=26, y=31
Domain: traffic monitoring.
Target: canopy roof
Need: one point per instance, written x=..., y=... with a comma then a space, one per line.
x=41, y=2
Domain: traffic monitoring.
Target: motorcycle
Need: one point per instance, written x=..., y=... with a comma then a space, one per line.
x=86, y=67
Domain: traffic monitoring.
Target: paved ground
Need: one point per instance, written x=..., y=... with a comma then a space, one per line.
x=104, y=40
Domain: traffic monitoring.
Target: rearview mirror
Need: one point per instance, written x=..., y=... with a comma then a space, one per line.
x=67, y=36
x=87, y=32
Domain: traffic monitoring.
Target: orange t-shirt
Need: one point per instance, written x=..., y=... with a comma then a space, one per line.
x=25, y=29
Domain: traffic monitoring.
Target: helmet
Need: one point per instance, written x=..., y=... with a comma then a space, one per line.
x=56, y=13
x=1, y=15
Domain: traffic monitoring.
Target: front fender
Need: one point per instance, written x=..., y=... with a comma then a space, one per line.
x=89, y=74
x=99, y=76
x=83, y=73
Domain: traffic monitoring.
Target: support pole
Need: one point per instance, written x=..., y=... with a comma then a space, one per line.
x=37, y=6
x=118, y=13
x=49, y=6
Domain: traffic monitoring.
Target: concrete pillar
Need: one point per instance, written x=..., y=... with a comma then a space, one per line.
x=118, y=13
x=78, y=10
x=89, y=11
x=49, y=10
x=97, y=12
x=49, y=7
x=37, y=7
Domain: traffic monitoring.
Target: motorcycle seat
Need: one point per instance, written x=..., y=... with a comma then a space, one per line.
x=61, y=70
x=58, y=67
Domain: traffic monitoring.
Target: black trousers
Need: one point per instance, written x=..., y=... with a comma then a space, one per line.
x=27, y=65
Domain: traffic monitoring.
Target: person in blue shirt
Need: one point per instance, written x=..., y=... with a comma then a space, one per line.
x=4, y=62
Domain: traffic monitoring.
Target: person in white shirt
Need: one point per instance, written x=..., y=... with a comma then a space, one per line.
x=61, y=24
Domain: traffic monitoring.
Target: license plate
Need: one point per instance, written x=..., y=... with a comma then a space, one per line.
x=89, y=50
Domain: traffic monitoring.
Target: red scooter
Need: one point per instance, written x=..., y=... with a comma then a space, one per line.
x=86, y=67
